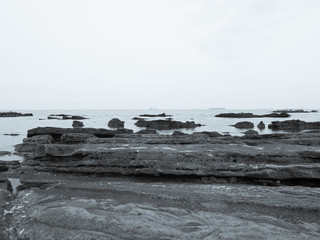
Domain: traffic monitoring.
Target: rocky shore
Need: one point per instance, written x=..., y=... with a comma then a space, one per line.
x=87, y=183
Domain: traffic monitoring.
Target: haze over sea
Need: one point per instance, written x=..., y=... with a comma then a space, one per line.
x=100, y=118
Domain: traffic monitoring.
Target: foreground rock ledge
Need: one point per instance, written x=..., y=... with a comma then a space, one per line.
x=292, y=159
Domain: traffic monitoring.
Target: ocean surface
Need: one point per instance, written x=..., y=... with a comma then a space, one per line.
x=100, y=119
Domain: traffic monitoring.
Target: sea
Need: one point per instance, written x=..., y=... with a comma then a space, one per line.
x=100, y=119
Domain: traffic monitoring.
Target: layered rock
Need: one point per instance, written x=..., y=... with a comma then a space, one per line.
x=15, y=114
x=244, y=125
x=116, y=123
x=56, y=133
x=251, y=115
x=293, y=125
x=255, y=157
x=166, y=124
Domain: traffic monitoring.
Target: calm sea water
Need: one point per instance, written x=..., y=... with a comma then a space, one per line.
x=100, y=118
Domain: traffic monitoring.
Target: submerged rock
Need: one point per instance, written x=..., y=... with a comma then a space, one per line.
x=261, y=125
x=166, y=124
x=244, y=124
x=293, y=125
x=251, y=115
x=77, y=124
x=116, y=123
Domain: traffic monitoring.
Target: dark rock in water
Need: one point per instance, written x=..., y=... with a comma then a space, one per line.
x=137, y=118
x=51, y=117
x=250, y=133
x=166, y=125
x=56, y=133
x=314, y=111
x=147, y=131
x=290, y=111
x=15, y=114
x=155, y=115
x=11, y=134
x=209, y=134
x=261, y=125
x=41, y=139
x=251, y=115
x=77, y=124
x=42, y=119
x=243, y=125
x=74, y=118
x=116, y=123
x=178, y=133
x=76, y=137
x=293, y=125
x=65, y=117
x=3, y=153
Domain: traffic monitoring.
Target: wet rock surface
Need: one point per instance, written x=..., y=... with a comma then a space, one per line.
x=125, y=208
x=251, y=115
x=93, y=184
x=166, y=124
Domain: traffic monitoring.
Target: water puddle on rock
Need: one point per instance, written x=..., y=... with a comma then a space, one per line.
x=15, y=182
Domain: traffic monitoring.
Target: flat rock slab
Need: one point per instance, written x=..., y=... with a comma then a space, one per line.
x=91, y=208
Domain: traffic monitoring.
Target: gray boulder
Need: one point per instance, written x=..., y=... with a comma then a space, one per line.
x=77, y=124
x=243, y=125
x=261, y=125
x=116, y=123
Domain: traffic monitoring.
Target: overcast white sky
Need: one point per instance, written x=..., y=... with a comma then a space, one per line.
x=75, y=54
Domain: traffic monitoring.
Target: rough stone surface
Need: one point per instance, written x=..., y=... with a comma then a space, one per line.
x=41, y=139
x=250, y=133
x=268, y=157
x=57, y=132
x=77, y=124
x=112, y=208
x=166, y=124
x=293, y=125
x=76, y=137
x=116, y=123
x=147, y=131
x=243, y=125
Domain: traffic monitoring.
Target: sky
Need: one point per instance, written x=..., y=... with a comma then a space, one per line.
x=177, y=54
